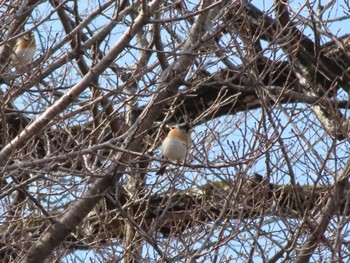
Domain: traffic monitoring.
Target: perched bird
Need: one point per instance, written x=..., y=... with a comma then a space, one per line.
x=177, y=144
x=24, y=51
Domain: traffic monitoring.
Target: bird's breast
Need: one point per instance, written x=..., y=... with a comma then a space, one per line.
x=174, y=149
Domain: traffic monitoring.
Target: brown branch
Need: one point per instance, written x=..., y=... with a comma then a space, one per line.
x=196, y=206
x=335, y=203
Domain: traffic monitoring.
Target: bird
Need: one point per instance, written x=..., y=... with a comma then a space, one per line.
x=177, y=144
x=24, y=50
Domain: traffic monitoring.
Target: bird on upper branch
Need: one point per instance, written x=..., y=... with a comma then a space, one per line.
x=24, y=51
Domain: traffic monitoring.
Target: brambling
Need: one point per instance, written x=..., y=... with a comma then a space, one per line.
x=24, y=51
x=177, y=144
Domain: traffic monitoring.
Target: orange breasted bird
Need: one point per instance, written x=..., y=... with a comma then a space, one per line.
x=177, y=144
x=24, y=50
